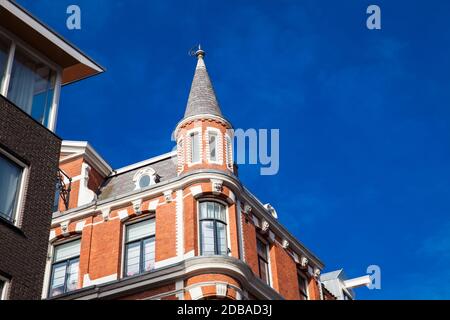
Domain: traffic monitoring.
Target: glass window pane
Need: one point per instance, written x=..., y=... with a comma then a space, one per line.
x=213, y=146
x=144, y=181
x=133, y=254
x=140, y=230
x=203, y=210
x=210, y=210
x=10, y=176
x=72, y=275
x=149, y=254
x=195, y=147
x=262, y=249
x=263, y=271
x=4, y=53
x=222, y=239
x=207, y=238
x=67, y=250
x=58, y=279
x=31, y=86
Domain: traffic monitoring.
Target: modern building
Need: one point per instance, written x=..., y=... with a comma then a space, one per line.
x=340, y=286
x=177, y=226
x=34, y=64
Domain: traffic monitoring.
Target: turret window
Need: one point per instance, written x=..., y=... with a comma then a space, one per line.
x=213, y=229
x=195, y=147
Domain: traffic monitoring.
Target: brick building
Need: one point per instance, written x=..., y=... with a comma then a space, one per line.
x=176, y=226
x=34, y=64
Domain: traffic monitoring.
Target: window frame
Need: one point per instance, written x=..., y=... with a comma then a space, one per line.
x=16, y=43
x=267, y=261
x=16, y=218
x=5, y=289
x=190, y=134
x=68, y=262
x=300, y=276
x=225, y=223
x=218, y=143
x=125, y=243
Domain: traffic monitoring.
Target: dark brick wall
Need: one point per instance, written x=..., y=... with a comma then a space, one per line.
x=23, y=251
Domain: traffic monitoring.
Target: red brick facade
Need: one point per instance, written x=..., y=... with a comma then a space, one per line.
x=103, y=203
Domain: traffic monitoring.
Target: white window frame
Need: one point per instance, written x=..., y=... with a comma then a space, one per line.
x=4, y=86
x=50, y=262
x=219, y=148
x=150, y=172
x=189, y=135
x=199, y=242
x=5, y=292
x=124, y=235
x=18, y=214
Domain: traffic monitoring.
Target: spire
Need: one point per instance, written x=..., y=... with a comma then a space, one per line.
x=202, y=98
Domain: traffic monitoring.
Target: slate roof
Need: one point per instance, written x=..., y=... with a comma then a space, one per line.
x=202, y=98
x=123, y=183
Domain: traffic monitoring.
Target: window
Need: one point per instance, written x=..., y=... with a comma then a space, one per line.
x=213, y=146
x=4, y=53
x=302, y=286
x=139, y=247
x=32, y=86
x=3, y=288
x=213, y=229
x=145, y=181
x=27, y=81
x=263, y=261
x=195, y=147
x=10, y=185
x=64, y=276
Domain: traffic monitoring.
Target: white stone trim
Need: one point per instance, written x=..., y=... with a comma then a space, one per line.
x=221, y=289
x=123, y=214
x=196, y=190
x=179, y=223
x=153, y=205
x=179, y=288
x=79, y=226
x=85, y=195
x=87, y=282
x=196, y=293
x=228, y=152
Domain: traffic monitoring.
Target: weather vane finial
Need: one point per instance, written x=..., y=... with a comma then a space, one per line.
x=197, y=51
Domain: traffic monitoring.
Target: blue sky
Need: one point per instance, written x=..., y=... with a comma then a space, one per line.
x=364, y=116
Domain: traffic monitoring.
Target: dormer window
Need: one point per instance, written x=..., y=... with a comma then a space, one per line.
x=144, y=178
x=145, y=181
x=28, y=81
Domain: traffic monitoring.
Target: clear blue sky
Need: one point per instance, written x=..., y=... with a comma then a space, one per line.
x=364, y=116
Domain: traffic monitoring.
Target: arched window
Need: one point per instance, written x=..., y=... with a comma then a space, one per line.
x=213, y=229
